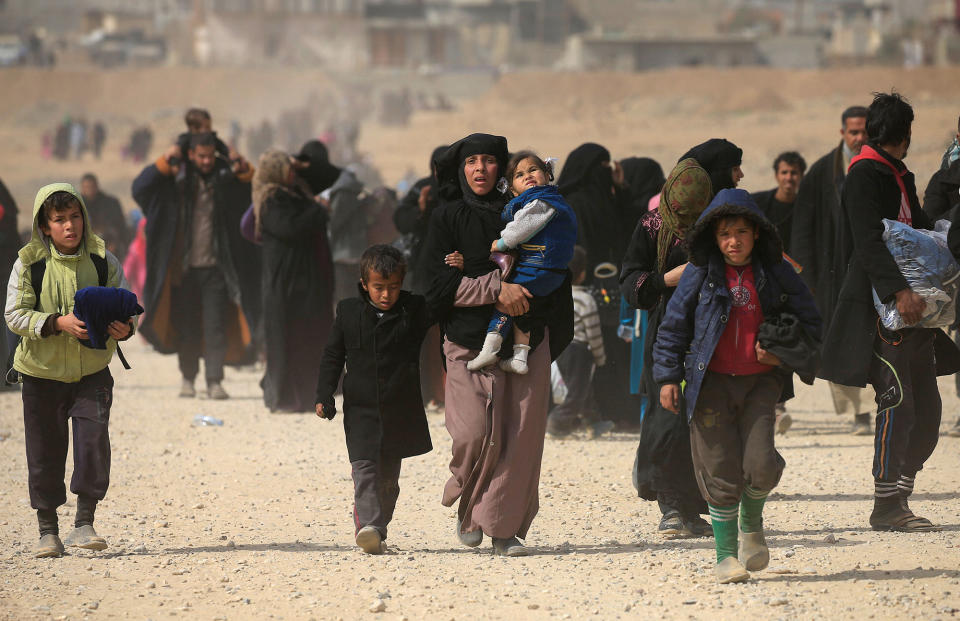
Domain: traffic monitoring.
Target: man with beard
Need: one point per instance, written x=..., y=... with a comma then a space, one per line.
x=813, y=244
x=777, y=204
x=202, y=286
x=902, y=366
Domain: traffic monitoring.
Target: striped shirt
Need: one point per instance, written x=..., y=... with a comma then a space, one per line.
x=586, y=323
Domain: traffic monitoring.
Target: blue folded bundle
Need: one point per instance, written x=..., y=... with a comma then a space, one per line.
x=98, y=306
x=929, y=268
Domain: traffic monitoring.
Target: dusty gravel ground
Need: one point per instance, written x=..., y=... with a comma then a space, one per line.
x=252, y=520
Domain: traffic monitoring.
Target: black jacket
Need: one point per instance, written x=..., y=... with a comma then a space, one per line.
x=780, y=215
x=943, y=193
x=107, y=219
x=167, y=203
x=870, y=194
x=382, y=407
x=410, y=221
x=816, y=223
x=9, y=236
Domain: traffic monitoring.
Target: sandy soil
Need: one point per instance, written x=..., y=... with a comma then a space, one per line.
x=253, y=520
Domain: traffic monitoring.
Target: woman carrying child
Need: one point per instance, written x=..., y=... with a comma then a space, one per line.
x=541, y=230
x=496, y=420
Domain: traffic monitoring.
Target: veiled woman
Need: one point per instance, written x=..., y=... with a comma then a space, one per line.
x=497, y=421
x=297, y=283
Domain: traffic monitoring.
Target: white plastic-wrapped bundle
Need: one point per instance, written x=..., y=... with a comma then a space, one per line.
x=930, y=270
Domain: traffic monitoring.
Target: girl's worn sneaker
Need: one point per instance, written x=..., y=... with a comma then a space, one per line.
x=729, y=570
x=50, y=546
x=85, y=537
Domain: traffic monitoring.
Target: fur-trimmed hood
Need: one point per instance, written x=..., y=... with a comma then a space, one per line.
x=768, y=249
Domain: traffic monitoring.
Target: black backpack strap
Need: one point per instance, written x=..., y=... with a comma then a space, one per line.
x=37, y=270
x=101, y=264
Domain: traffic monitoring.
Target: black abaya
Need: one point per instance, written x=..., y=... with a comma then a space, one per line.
x=297, y=298
x=663, y=469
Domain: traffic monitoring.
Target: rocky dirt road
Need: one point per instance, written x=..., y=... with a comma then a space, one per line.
x=252, y=520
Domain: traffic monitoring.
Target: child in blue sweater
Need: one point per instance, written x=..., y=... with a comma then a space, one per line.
x=542, y=229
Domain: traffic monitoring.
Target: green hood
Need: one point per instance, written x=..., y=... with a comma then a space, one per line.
x=38, y=247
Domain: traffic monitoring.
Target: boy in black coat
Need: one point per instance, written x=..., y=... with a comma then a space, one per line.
x=378, y=336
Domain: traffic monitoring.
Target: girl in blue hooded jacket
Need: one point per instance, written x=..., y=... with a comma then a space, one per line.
x=737, y=279
x=542, y=229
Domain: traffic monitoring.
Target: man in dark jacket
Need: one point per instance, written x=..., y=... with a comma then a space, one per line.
x=202, y=287
x=777, y=204
x=901, y=366
x=106, y=215
x=813, y=243
x=940, y=201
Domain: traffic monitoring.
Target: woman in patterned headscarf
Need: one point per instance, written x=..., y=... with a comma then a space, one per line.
x=297, y=283
x=654, y=262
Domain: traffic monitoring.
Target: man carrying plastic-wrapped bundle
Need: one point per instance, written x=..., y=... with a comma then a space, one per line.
x=901, y=365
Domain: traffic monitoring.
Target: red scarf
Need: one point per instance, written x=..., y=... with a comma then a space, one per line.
x=869, y=153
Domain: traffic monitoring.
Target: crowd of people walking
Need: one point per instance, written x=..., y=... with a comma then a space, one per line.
x=611, y=296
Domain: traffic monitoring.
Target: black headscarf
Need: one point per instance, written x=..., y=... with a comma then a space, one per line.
x=587, y=184
x=449, y=166
x=717, y=156
x=583, y=167
x=436, y=155
x=644, y=177
x=320, y=174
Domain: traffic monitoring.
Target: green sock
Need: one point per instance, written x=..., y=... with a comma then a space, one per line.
x=724, y=521
x=751, y=509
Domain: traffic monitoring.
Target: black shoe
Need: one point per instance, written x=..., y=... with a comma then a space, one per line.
x=672, y=524
x=698, y=526
x=893, y=514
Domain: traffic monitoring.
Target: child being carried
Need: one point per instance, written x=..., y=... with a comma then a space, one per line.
x=542, y=229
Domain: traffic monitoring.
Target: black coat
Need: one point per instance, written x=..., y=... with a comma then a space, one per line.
x=943, y=193
x=382, y=407
x=870, y=194
x=9, y=236
x=297, y=285
x=107, y=219
x=167, y=200
x=412, y=222
x=817, y=220
x=779, y=214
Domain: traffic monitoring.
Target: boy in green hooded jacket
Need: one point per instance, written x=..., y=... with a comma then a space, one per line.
x=63, y=379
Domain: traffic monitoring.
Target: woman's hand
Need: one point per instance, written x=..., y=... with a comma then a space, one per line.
x=72, y=326
x=670, y=397
x=765, y=357
x=672, y=278
x=513, y=299
x=454, y=259
x=119, y=330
